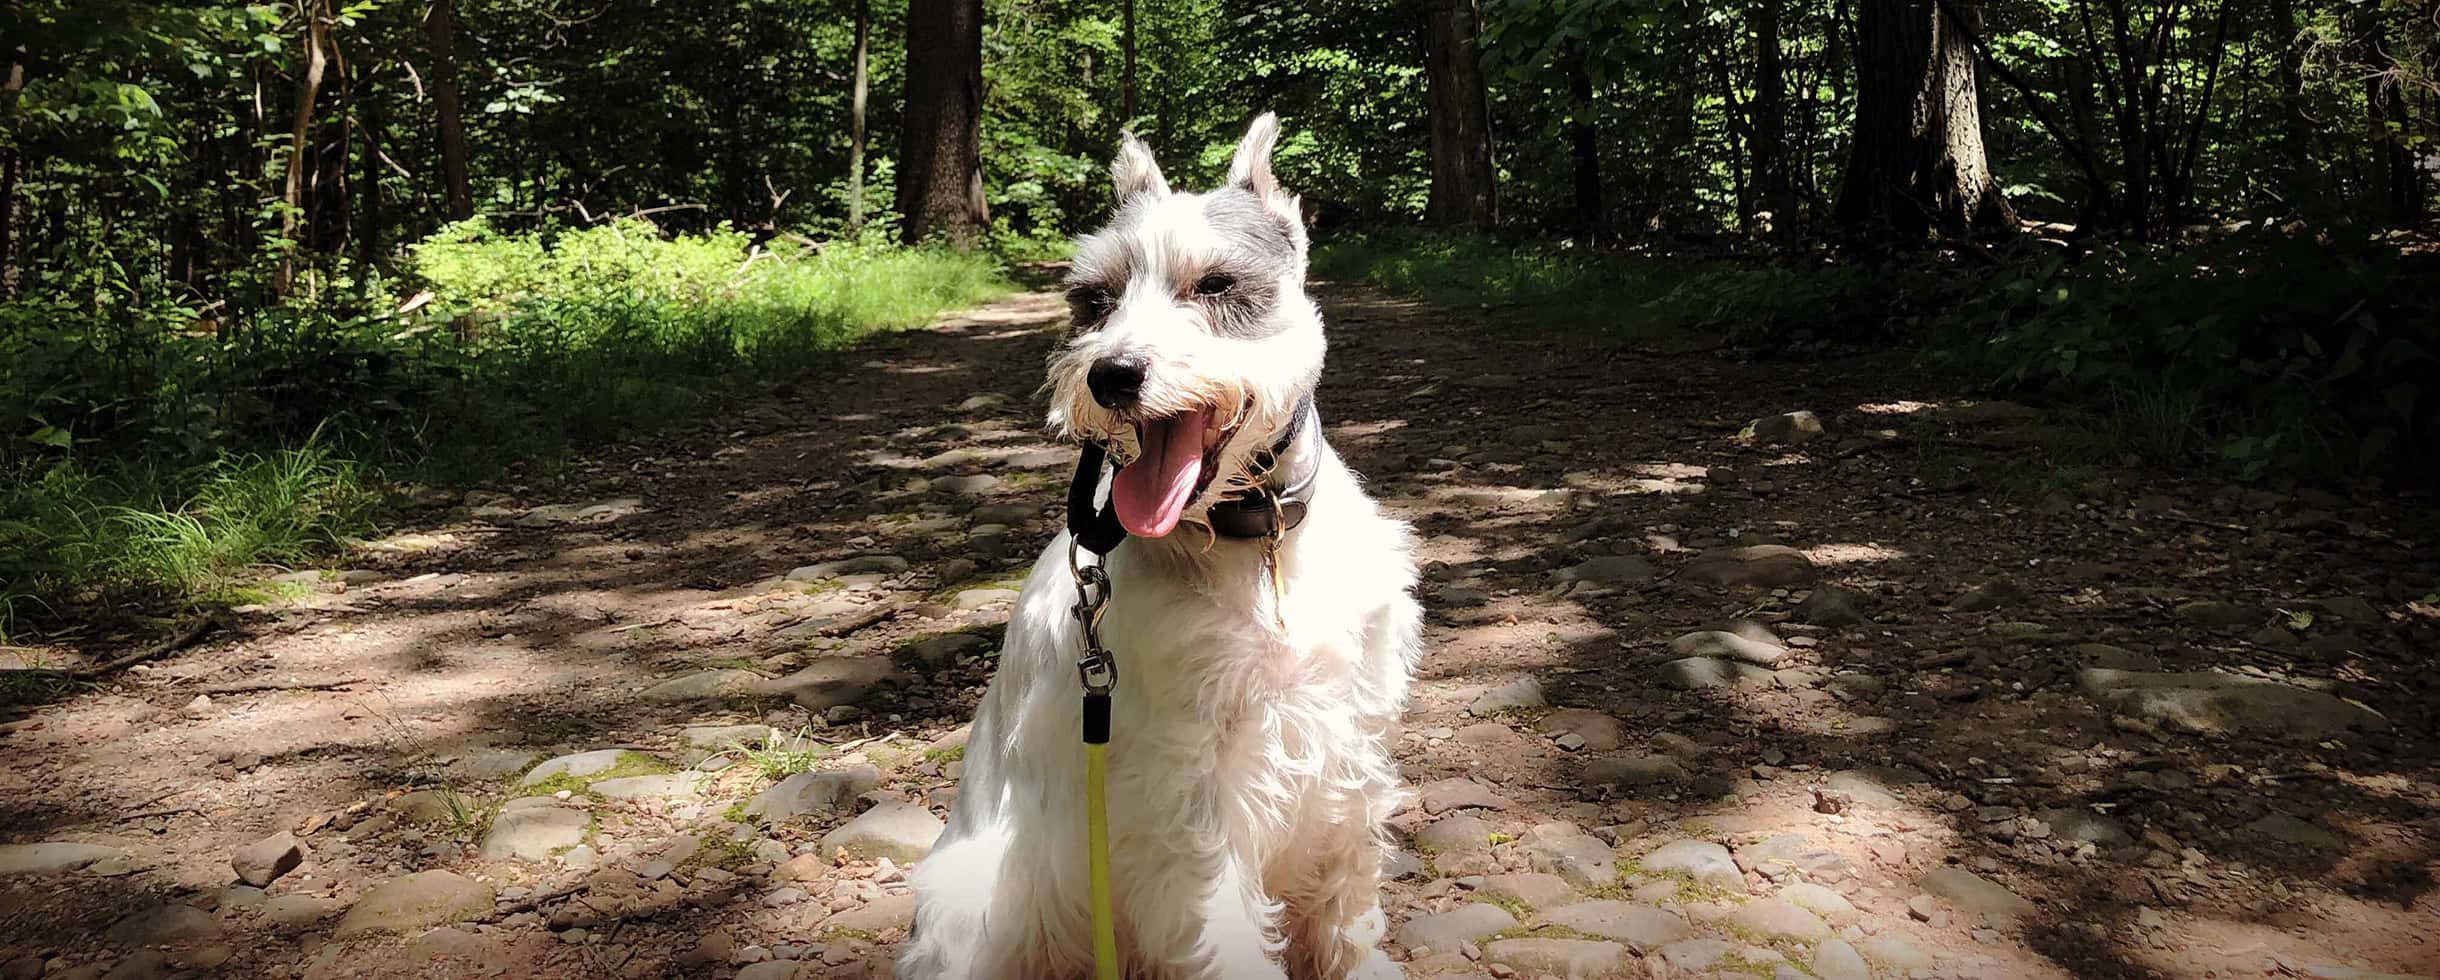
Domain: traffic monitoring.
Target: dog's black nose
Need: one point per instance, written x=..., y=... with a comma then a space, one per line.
x=1117, y=381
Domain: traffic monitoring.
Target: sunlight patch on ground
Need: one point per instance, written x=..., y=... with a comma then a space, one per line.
x=1853, y=553
x=1895, y=408
x=1791, y=459
x=1357, y=431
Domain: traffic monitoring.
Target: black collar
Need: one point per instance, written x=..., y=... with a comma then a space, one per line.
x=1260, y=512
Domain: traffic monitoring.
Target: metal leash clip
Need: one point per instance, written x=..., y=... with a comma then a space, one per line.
x=1096, y=668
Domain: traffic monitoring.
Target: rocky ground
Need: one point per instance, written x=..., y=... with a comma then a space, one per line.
x=1870, y=691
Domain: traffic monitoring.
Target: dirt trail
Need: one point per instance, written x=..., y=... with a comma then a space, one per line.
x=1950, y=725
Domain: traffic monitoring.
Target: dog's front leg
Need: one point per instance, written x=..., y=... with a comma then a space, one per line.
x=1236, y=941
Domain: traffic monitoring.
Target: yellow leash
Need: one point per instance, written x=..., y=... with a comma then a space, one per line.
x=1097, y=838
x=1099, y=672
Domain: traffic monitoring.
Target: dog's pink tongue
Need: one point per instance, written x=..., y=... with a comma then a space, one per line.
x=1151, y=493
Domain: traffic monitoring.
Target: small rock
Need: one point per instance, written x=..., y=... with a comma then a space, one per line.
x=1459, y=832
x=534, y=832
x=1831, y=606
x=830, y=681
x=52, y=857
x=1701, y=673
x=2222, y=615
x=1524, y=692
x=1778, y=919
x=768, y=970
x=1834, y=959
x=874, y=917
x=1696, y=955
x=1971, y=892
x=1642, y=928
x=1818, y=900
x=1652, y=770
x=2207, y=702
x=812, y=794
x=1788, y=429
x=1444, y=795
x=165, y=925
x=1563, y=850
x=710, y=685
x=578, y=766
x=1766, y=566
x=1456, y=927
x=972, y=599
x=1608, y=569
x=1598, y=732
x=299, y=911
x=1720, y=643
x=2290, y=830
x=902, y=832
x=1703, y=861
x=418, y=901
x=1534, y=890
x=945, y=649
x=262, y=862
x=1574, y=959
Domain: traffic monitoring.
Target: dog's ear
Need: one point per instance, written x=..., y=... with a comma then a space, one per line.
x=1135, y=171
x=1250, y=168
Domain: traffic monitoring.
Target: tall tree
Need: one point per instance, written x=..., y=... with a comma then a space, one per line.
x=440, y=31
x=855, y=114
x=1768, y=111
x=302, y=164
x=12, y=169
x=1584, y=146
x=1917, y=163
x=1126, y=69
x=1464, y=182
x=940, y=178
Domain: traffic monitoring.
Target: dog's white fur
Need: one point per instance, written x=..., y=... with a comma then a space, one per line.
x=1249, y=768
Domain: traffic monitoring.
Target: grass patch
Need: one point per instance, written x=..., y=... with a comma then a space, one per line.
x=954, y=753
x=781, y=756
x=156, y=459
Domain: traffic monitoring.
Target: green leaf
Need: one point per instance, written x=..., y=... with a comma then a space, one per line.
x=52, y=436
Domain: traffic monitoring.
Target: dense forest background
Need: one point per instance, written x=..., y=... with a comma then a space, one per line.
x=253, y=254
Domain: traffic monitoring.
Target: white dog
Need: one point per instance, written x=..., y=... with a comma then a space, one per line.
x=1249, y=766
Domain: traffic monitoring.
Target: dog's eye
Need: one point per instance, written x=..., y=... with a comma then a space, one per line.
x=1087, y=305
x=1214, y=284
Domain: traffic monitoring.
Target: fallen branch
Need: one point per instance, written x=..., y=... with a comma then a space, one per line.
x=535, y=901
x=251, y=687
x=862, y=620
x=184, y=638
x=2199, y=522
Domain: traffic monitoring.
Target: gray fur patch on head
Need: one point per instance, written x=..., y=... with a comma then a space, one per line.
x=1260, y=252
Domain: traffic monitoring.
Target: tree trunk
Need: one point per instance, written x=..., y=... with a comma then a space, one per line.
x=1585, y=146
x=1769, y=114
x=1126, y=69
x=368, y=230
x=2399, y=186
x=1917, y=164
x=301, y=166
x=1464, y=187
x=855, y=120
x=440, y=30
x=2301, y=181
x=12, y=170
x=940, y=181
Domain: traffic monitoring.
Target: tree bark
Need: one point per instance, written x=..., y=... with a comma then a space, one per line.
x=855, y=111
x=12, y=170
x=1917, y=164
x=1584, y=140
x=940, y=182
x=1126, y=69
x=300, y=164
x=1769, y=114
x=440, y=31
x=2399, y=185
x=1464, y=181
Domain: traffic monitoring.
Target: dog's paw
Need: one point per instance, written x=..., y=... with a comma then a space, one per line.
x=1377, y=966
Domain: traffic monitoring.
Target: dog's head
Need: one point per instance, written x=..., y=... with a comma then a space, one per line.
x=1192, y=342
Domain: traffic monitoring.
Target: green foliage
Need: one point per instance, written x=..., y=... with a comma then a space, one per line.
x=780, y=756
x=147, y=453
